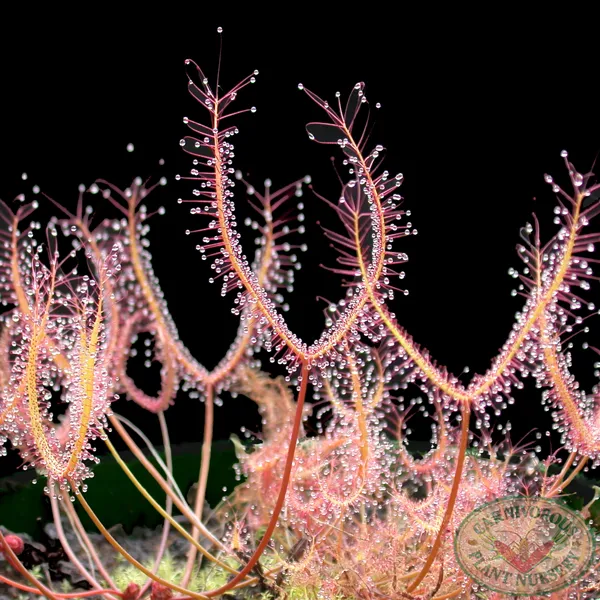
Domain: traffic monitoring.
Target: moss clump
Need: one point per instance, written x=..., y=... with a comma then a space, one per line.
x=172, y=570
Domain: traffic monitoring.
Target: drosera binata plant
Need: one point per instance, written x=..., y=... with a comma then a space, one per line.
x=349, y=513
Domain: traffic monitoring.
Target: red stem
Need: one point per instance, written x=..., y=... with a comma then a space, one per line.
x=82, y=594
x=460, y=461
x=282, y=491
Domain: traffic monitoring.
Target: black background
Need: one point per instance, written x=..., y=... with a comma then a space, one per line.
x=475, y=109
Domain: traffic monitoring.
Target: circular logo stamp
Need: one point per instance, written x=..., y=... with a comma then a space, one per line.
x=523, y=546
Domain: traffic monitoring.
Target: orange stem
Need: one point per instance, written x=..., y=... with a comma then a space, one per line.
x=464, y=438
x=561, y=486
x=32, y=590
x=186, y=511
x=202, y=479
x=282, y=491
x=14, y=561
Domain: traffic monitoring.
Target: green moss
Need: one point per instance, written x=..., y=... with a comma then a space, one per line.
x=125, y=574
x=66, y=587
x=171, y=570
x=308, y=592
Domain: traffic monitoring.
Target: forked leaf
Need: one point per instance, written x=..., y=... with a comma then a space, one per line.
x=198, y=127
x=355, y=99
x=325, y=133
x=197, y=147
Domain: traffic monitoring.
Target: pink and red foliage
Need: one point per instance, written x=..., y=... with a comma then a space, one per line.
x=349, y=513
